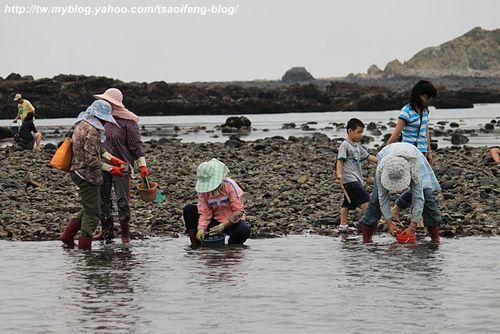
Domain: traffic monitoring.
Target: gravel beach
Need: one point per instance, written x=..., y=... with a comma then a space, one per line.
x=288, y=187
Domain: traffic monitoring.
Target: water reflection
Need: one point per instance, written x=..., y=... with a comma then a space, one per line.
x=103, y=286
x=219, y=264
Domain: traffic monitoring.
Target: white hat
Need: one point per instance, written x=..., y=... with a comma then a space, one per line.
x=17, y=97
x=396, y=175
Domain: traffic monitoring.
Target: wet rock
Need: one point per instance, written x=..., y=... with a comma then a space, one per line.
x=292, y=176
x=454, y=125
x=447, y=185
x=289, y=126
x=459, y=139
x=237, y=122
x=489, y=127
x=371, y=126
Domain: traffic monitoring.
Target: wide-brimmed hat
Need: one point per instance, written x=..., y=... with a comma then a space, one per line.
x=396, y=175
x=17, y=97
x=113, y=96
x=210, y=175
x=102, y=110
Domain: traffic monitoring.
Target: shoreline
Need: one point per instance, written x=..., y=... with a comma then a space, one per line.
x=287, y=183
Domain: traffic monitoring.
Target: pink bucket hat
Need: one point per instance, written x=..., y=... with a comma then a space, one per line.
x=113, y=96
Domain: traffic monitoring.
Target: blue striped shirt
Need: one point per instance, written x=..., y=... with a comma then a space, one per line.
x=410, y=131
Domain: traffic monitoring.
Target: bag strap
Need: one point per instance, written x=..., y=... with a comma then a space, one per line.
x=419, y=127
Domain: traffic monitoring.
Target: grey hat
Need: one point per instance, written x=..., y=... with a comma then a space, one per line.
x=396, y=175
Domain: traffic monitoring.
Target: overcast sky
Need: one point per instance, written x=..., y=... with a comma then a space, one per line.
x=261, y=40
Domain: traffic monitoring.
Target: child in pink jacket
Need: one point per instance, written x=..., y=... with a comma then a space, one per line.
x=220, y=206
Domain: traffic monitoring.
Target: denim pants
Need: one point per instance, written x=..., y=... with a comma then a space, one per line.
x=91, y=201
x=122, y=192
x=430, y=214
x=238, y=232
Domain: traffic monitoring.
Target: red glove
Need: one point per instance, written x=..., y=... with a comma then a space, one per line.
x=117, y=161
x=144, y=171
x=117, y=171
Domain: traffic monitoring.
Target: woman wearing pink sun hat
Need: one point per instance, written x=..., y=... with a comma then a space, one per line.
x=124, y=141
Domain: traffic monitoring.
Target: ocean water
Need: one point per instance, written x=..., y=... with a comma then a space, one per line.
x=296, y=284
x=269, y=125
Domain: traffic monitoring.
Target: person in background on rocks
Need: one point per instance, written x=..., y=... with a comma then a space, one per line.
x=413, y=125
x=494, y=154
x=28, y=135
x=123, y=140
x=24, y=107
x=220, y=206
x=348, y=171
x=402, y=165
x=86, y=166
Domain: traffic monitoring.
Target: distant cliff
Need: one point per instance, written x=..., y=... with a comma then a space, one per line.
x=476, y=53
x=67, y=95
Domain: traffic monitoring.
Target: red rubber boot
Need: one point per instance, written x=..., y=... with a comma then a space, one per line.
x=68, y=236
x=367, y=233
x=434, y=233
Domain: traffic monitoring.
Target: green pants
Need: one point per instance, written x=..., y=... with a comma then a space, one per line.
x=89, y=215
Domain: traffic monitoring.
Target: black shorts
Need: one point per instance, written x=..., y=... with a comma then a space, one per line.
x=357, y=194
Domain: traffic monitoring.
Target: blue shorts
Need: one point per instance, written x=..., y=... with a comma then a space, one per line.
x=357, y=194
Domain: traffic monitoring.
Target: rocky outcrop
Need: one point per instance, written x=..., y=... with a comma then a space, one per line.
x=476, y=53
x=374, y=70
x=67, y=95
x=297, y=74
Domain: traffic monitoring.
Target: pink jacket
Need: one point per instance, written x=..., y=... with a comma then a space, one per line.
x=228, y=201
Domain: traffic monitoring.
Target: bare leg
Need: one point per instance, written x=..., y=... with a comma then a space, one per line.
x=495, y=154
x=38, y=140
x=344, y=212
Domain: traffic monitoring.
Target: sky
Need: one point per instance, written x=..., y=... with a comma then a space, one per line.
x=236, y=40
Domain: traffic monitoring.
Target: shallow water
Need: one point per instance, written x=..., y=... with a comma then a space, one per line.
x=269, y=125
x=288, y=285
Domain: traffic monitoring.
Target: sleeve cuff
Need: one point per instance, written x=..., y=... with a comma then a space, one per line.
x=105, y=167
x=141, y=162
x=107, y=155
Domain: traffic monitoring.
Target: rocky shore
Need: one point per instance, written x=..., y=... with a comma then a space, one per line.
x=67, y=95
x=287, y=182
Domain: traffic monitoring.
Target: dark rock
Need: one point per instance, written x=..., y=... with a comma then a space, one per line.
x=297, y=74
x=447, y=185
x=489, y=127
x=366, y=139
x=448, y=196
x=5, y=132
x=454, y=125
x=237, y=122
x=14, y=76
x=235, y=142
x=371, y=126
x=459, y=139
x=289, y=126
x=50, y=147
